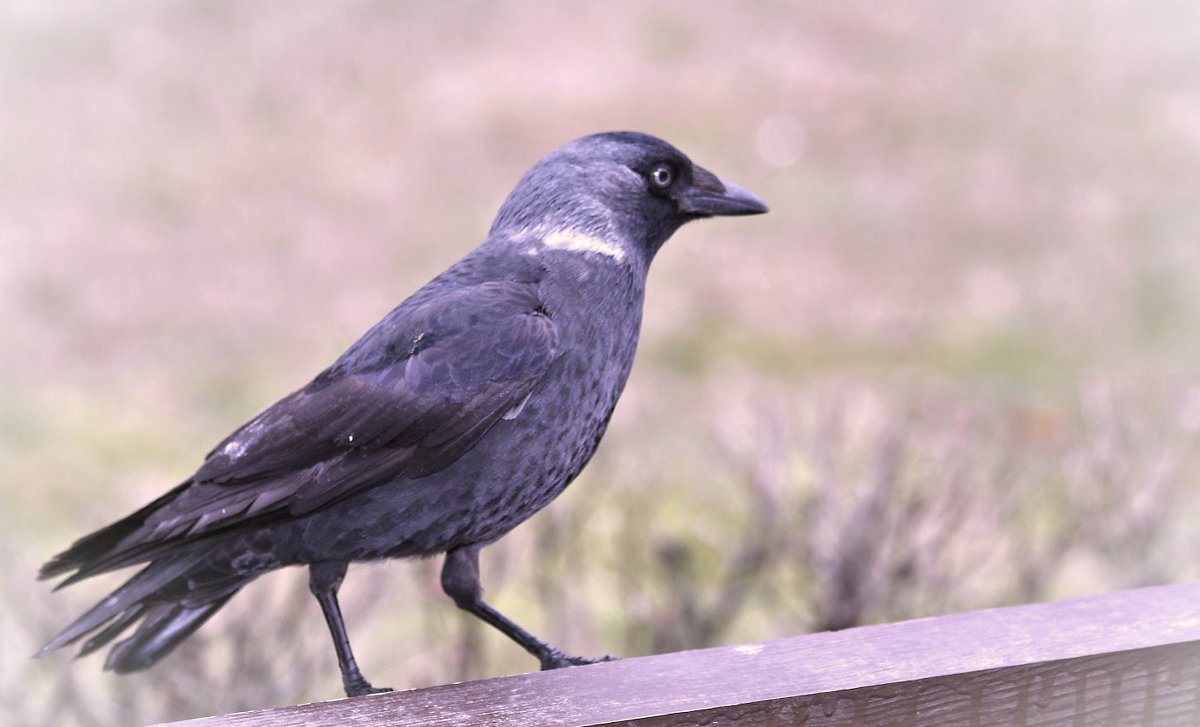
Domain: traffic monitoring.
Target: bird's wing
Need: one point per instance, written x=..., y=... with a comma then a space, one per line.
x=410, y=398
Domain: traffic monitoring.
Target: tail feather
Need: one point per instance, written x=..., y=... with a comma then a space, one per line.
x=168, y=600
x=185, y=582
x=163, y=628
x=112, y=630
x=142, y=586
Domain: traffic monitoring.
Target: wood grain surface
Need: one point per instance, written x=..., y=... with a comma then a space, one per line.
x=1122, y=659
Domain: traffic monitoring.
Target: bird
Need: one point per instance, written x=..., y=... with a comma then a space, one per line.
x=461, y=413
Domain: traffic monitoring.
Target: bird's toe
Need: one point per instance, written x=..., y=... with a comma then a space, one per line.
x=558, y=660
x=359, y=690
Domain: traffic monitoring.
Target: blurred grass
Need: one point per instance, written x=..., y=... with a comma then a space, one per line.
x=955, y=366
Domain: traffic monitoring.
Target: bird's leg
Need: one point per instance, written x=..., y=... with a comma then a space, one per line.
x=324, y=579
x=460, y=581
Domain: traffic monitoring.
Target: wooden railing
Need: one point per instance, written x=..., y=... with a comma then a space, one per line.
x=1118, y=660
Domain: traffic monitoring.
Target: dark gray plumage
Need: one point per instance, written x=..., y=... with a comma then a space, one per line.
x=464, y=411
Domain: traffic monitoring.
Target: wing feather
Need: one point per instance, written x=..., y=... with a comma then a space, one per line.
x=410, y=398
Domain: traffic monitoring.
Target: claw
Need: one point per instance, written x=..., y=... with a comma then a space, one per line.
x=555, y=659
x=364, y=688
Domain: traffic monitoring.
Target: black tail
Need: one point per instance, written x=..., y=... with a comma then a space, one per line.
x=187, y=580
x=164, y=627
x=169, y=599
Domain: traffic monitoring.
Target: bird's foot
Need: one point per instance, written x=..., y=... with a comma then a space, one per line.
x=360, y=688
x=555, y=659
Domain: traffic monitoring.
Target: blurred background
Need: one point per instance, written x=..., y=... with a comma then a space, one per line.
x=955, y=367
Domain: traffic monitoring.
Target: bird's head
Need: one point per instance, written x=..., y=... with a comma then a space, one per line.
x=618, y=193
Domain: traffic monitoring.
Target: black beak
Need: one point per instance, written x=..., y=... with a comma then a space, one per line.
x=710, y=196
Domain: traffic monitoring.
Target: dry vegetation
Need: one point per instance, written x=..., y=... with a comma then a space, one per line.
x=955, y=367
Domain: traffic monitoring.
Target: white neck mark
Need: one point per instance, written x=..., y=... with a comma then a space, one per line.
x=566, y=238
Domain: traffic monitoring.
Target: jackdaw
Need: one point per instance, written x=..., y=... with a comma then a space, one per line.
x=463, y=412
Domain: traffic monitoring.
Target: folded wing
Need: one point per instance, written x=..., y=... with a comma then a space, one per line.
x=411, y=397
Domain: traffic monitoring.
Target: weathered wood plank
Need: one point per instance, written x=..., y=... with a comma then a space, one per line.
x=1122, y=659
